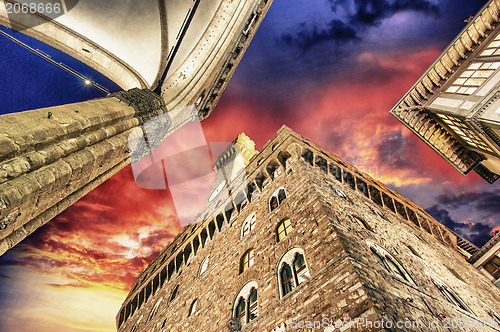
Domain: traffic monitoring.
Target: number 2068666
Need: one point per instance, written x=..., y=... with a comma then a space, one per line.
x=32, y=8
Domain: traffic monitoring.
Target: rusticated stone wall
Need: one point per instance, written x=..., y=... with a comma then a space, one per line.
x=335, y=222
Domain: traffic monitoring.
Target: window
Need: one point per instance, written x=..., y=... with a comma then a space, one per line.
x=449, y=294
x=460, y=128
x=173, y=294
x=493, y=266
x=203, y=266
x=390, y=263
x=248, y=225
x=246, y=306
x=361, y=221
x=292, y=271
x=276, y=199
x=473, y=77
x=284, y=228
x=247, y=260
x=192, y=308
x=287, y=281
x=155, y=310
x=252, y=305
x=493, y=49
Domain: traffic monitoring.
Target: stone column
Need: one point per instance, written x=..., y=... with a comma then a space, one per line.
x=51, y=157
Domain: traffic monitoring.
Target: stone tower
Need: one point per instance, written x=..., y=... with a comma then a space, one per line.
x=49, y=158
x=309, y=242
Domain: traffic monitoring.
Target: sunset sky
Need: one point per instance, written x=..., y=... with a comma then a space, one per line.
x=329, y=69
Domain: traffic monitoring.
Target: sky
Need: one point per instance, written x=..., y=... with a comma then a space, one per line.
x=329, y=69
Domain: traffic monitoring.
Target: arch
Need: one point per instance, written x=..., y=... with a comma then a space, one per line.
x=361, y=221
x=448, y=293
x=362, y=187
x=283, y=228
x=259, y=181
x=173, y=294
x=220, y=222
x=292, y=271
x=196, y=245
x=251, y=191
x=245, y=307
x=229, y=211
x=389, y=263
x=248, y=225
x=179, y=260
x=211, y=229
x=308, y=156
x=336, y=172
x=350, y=179
x=273, y=203
x=192, y=307
x=154, y=311
x=240, y=201
x=272, y=168
x=375, y=195
x=277, y=198
x=283, y=157
x=247, y=260
x=203, y=266
x=322, y=164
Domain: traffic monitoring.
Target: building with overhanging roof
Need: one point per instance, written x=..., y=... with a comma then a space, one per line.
x=455, y=107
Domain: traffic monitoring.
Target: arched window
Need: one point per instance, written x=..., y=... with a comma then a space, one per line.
x=246, y=305
x=173, y=294
x=248, y=225
x=203, y=266
x=276, y=199
x=281, y=195
x=361, y=222
x=284, y=228
x=273, y=203
x=247, y=260
x=390, y=263
x=155, y=310
x=292, y=271
x=192, y=308
x=287, y=283
x=448, y=293
x=240, y=311
x=253, y=309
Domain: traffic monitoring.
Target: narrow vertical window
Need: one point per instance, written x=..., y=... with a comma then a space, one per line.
x=286, y=279
x=252, y=305
x=299, y=265
x=273, y=204
x=281, y=195
x=192, y=309
x=240, y=311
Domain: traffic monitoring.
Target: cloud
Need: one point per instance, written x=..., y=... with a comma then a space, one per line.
x=487, y=202
x=306, y=38
x=352, y=19
x=478, y=233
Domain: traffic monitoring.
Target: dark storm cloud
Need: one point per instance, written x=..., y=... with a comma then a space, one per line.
x=372, y=12
x=486, y=202
x=477, y=233
x=443, y=216
x=306, y=38
x=361, y=15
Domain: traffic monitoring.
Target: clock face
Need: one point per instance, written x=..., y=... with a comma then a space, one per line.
x=217, y=191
